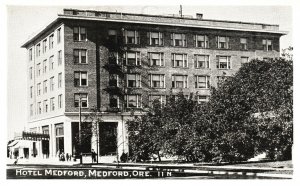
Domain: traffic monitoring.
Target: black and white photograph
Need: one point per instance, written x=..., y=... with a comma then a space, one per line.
x=153, y=92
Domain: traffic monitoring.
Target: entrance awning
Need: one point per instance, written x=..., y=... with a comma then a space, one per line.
x=12, y=144
x=23, y=144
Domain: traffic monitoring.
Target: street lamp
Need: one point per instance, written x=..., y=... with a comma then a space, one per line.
x=79, y=129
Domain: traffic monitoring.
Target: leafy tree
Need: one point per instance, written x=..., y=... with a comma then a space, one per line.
x=259, y=87
x=249, y=113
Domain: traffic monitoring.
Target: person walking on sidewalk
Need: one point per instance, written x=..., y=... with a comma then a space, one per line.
x=94, y=156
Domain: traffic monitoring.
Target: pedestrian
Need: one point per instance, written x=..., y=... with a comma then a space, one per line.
x=67, y=156
x=93, y=156
x=62, y=156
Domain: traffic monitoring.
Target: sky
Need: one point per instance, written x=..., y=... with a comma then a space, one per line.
x=24, y=21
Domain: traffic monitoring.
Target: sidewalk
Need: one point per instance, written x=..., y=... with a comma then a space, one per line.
x=41, y=161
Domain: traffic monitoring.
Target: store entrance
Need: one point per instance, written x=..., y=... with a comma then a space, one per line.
x=108, y=138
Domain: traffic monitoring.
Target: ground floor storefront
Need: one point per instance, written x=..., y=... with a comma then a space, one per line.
x=108, y=138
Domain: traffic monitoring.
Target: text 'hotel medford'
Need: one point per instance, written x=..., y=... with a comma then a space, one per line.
x=119, y=62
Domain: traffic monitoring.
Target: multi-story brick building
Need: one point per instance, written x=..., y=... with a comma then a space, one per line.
x=119, y=62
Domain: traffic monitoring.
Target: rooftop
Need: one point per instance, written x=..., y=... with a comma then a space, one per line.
x=169, y=20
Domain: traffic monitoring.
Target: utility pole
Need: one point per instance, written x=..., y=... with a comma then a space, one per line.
x=79, y=130
x=180, y=11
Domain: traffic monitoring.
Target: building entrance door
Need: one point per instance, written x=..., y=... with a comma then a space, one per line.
x=45, y=148
x=26, y=153
x=108, y=138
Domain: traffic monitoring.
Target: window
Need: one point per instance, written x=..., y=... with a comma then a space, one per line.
x=31, y=91
x=51, y=41
x=51, y=62
x=39, y=89
x=44, y=45
x=51, y=83
x=267, y=44
x=59, y=101
x=113, y=101
x=79, y=34
x=45, y=106
x=133, y=80
x=202, y=81
x=39, y=107
x=30, y=54
x=133, y=58
x=155, y=38
x=178, y=39
x=201, y=61
x=201, y=41
x=80, y=79
x=52, y=104
x=156, y=59
x=30, y=73
x=133, y=101
x=59, y=137
x=80, y=56
x=132, y=37
x=112, y=36
x=45, y=89
x=31, y=109
x=38, y=69
x=202, y=99
x=157, y=80
x=223, y=62
x=114, y=80
x=59, y=78
x=179, y=60
x=38, y=50
x=59, y=58
x=58, y=32
x=244, y=45
x=45, y=66
x=160, y=98
x=223, y=42
x=245, y=59
x=45, y=129
x=179, y=81
x=83, y=98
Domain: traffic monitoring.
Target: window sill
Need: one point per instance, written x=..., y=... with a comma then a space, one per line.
x=202, y=47
x=78, y=41
x=203, y=68
x=80, y=63
x=82, y=86
x=181, y=67
x=157, y=88
x=202, y=88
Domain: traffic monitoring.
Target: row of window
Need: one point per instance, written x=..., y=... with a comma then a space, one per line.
x=45, y=106
x=46, y=66
x=177, y=39
x=154, y=80
x=45, y=85
x=130, y=101
x=157, y=59
x=46, y=44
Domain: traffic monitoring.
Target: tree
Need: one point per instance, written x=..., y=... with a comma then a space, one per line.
x=249, y=113
x=259, y=87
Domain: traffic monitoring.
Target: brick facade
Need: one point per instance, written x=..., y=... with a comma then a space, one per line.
x=98, y=75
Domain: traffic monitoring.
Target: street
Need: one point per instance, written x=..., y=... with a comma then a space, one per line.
x=113, y=172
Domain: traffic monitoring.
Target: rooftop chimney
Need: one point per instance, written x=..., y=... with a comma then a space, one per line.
x=199, y=16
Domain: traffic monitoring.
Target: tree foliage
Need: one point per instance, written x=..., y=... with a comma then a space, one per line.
x=249, y=113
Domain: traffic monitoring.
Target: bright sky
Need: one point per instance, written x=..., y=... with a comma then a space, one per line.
x=26, y=20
